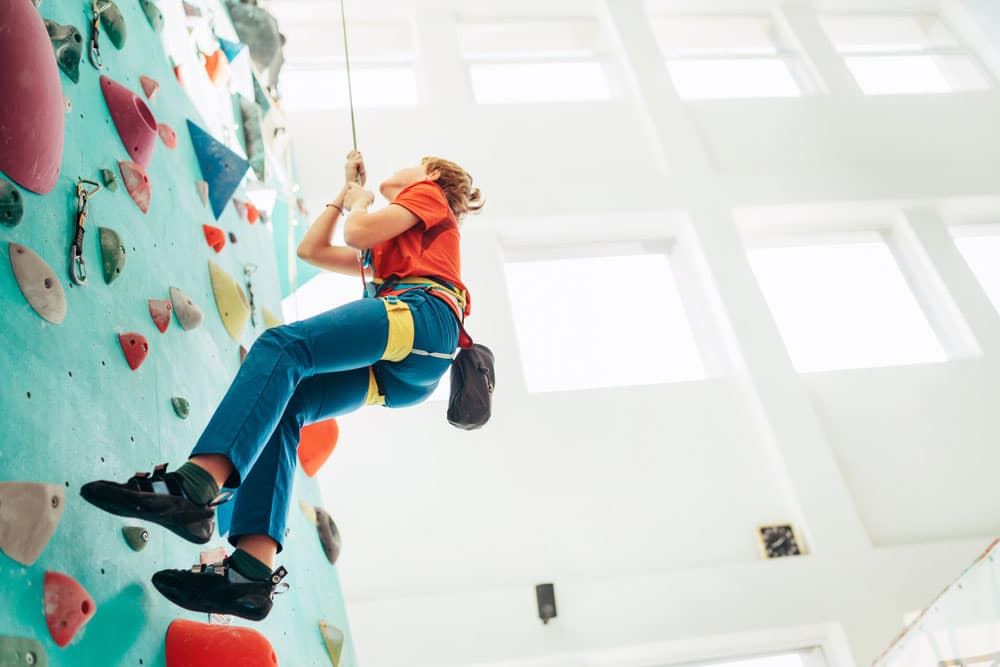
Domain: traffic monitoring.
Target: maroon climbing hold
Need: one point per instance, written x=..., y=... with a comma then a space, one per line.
x=215, y=237
x=136, y=348
x=135, y=122
x=149, y=86
x=232, y=237
x=161, y=310
x=137, y=184
x=31, y=113
x=191, y=644
x=68, y=607
x=167, y=135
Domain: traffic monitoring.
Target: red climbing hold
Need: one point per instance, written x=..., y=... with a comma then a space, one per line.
x=253, y=215
x=137, y=184
x=167, y=135
x=215, y=237
x=135, y=122
x=161, y=311
x=136, y=348
x=316, y=443
x=31, y=114
x=191, y=644
x=68, y=607
x=149, y=86
x=179, y=73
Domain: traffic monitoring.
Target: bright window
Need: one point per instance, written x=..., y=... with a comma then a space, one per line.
x=908, y=53
x=844, y=305
x=614, y=321
x=799, y=659
x=983, y=255
x=557, y=60
x=728, y=57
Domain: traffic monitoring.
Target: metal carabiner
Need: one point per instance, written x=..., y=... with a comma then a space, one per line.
x=95, y=32
x=77, y=265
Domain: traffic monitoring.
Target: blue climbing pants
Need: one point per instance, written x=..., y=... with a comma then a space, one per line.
x=388, y=351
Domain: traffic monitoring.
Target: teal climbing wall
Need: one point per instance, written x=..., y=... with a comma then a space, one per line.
x=73, y=411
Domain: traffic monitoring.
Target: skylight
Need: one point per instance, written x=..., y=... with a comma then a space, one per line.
x=983, y=255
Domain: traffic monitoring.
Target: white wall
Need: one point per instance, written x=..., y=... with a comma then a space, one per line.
x=640, y=503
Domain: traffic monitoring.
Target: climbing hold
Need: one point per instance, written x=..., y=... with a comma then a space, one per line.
x=38, y=283
x=20, y=651
x=215, y=237
x=334, y=640
x=114, y=24
x=109, y=179
x=179, y=74
x=137, y=183
x=188, y=314
x=160, y=310
x=32, y=130
x=329, y=536
x=68, y=607
x=192, y=644
x=202, y=191
x=167, y=135
x=181, y=406
x=253, y=215
x=271, y=320
x=231, y=49
x=243, y=354
x=220, y=167
x=149, y=86
x=133, y=119
x=217, y=67
x=112, y=254
x=135, y=347
x=68, y=44
x=191, y=10
x=11, y=204
x=232, y=237
x=259, y=30
x=316, y=442
x=153, y=14
x=253, y=135
x=29, y=514
x=136, y=537
x=230, y=300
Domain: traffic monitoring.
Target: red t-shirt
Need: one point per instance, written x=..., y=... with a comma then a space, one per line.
x=430, y=248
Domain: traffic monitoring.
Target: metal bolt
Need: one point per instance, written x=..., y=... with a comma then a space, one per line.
x=55, y=502
x=30, y=658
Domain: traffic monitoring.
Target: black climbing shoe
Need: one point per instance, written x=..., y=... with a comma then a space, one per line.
x=219, y=589
x=158, y=498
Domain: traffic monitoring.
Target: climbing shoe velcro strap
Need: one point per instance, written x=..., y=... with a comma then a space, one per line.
x=160, y=470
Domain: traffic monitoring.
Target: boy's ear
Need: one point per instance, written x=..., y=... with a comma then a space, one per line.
x=433, y=175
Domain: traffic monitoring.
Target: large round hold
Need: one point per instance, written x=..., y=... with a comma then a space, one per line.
x=31, y=99
x=192, y=644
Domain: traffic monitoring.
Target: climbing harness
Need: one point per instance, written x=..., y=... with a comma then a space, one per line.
x=77, y=266
x=95, y=32
x=248, y=270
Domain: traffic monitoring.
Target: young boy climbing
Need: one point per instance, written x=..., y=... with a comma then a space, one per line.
x=390, y=348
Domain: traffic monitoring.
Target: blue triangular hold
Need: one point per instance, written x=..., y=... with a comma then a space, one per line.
x=231, y=49
x=221, y=168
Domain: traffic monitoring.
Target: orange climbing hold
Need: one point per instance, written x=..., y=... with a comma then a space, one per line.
x=217, y=67
x=191, y=644
x=161, y=311
x=149, y=86
x=167, y=135
x=68, y=607
x=137, y=183
x=215, y=237
x=316, y=443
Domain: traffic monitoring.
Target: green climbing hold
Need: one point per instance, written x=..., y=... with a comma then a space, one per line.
x=112, y=254
x=11, y=204
x=110, y=179
x=22, y=652
x=114, y=24
x=181, y=406
x=68, y=44
x=153, y=14
x=136, y=536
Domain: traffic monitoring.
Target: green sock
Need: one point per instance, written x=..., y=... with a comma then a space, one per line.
x=249, y=567
x=198, y=485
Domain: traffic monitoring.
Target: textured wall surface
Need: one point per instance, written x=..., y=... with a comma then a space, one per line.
x=72, y=411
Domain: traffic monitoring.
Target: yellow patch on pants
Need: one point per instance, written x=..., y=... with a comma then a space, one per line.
x=400, y=342
x=374, y=397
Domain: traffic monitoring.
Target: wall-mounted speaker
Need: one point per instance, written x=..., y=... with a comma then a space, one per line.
x=546, y=594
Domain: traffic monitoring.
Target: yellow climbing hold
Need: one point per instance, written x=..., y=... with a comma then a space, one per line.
x=334, y=640
x=271, y=320
x=234, y=309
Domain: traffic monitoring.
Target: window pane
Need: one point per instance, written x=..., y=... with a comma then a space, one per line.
x=309, y=90
x=688, y=36
x=705, y=79
x=554, y=37
x=892, y=75
x=785, y=660
x=608, y=330
x=983, y=255
x=853, y=34
x=844, y=306
x=539, y=82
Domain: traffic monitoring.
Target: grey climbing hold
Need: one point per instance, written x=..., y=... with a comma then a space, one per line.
x=188, y=314
x=253, y=135
x=11, y=204
x=112, y=254
x=153, y=14
x=110, y=179
x=202, y=191
x=22, y=652
x=333, y=637
x=329, y=536
x=114, y=25
x=68, y=44
x=29, y=514
x=38, y=283
x=137, y=537
x=181, y=406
